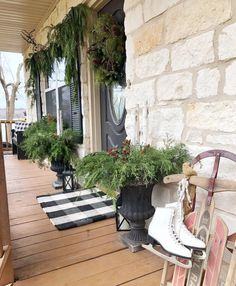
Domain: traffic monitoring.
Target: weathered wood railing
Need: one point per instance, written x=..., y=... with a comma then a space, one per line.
x=5, y=128
x=6, y=269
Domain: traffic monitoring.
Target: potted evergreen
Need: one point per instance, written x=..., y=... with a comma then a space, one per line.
x=41, y=144
x=132, y=172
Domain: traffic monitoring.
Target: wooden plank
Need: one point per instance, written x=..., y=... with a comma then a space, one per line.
x=216, y=253
x=180, y=273
x=6, y=268
x=63, y=241
x=152, y=279
x=81, y=247
x=4, y=213
x=231, y=276
x=30, y=240
x=1, y=244
x=63, y=260
x=203, y=182
x=111, y=269
x=31, y=228
x=202, y=232
x=29, y=218
x=4, y=259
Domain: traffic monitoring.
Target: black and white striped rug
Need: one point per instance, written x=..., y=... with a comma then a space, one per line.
x=76, y=208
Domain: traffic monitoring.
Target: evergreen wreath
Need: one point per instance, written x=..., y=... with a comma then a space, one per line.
x=107, y=51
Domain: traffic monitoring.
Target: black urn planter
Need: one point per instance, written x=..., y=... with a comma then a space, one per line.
x=136, y=208
x=58, y=167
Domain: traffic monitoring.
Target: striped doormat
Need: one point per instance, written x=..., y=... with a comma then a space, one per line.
x=76, y=208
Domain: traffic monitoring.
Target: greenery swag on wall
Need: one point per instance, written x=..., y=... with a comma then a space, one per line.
x=107, y=51
x=64, y=40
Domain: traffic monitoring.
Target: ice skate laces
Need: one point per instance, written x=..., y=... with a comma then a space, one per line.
x=173, y=234
x=182, y=190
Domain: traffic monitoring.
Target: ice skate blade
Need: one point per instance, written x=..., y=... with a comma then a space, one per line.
x=199, y=254
x=171, y=259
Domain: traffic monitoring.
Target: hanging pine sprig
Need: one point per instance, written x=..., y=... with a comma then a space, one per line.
x=66, y=37
x=40, y=62
x=64, y=40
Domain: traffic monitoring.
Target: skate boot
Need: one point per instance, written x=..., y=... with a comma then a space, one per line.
x=184, y=235
x=161, y=231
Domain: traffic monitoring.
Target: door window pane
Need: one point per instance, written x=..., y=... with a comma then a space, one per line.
x=58, y=76
x=65, y=105
x=51, y=107
x=117, y=99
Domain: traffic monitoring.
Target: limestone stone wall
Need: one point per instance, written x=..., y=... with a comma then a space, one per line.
x=181, y=76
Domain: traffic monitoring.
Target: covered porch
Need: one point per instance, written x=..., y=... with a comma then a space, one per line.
x=87, y=255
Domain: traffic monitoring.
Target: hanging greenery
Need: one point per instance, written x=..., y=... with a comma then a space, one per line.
x=107, y=51
x=40, y=62
x=64, y=40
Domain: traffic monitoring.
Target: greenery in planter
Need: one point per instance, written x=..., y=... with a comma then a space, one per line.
x=107, y=51
x=41, y=142
x=64, y=40
x=130, y=165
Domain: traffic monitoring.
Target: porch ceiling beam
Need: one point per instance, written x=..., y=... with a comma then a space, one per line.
x=18, y=15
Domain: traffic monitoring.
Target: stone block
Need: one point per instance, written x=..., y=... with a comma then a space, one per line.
x=130, y=3
x=148, y=37
x=207, y=82
x=227, y=39
x=190, y=17
x=152, y=64
x=153, y=8
x=72, y=3
x=222, y=139
x=134, y=19
x=230, y=79
x=194, y=136
x=193, y=52
x=61, y=11
x=214, y=116
x=163, y=121
x=130, y=62
x=174, y=86
x=130, y=120
x=140, y=94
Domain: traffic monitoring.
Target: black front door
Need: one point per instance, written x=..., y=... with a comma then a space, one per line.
x=112, y=98
x=112, y=116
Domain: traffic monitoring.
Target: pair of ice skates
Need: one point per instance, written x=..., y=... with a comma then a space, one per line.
x=168, y=230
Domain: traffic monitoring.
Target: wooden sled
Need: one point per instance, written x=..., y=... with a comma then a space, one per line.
x=206, y=273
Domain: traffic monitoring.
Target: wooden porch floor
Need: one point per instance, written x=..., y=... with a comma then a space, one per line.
x=87, y=255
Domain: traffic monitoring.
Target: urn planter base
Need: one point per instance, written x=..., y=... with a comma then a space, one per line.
x=58, y=167
x=58, y=184
x=133, y=246
x=136, y=207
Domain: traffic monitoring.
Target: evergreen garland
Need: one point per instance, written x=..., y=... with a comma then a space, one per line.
x=107, y=51
x=40, y=62
x=64, y=40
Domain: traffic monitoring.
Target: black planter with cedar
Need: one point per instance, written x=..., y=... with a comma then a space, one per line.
x=132, y=170
x=58, y=166
x=136, y=208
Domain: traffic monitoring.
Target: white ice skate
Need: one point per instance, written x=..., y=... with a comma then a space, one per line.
x=161, y=232
x=184, y=235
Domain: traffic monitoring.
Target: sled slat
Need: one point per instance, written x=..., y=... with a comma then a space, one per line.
x=203, y=182
x=216, y=253
x=180, y=273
